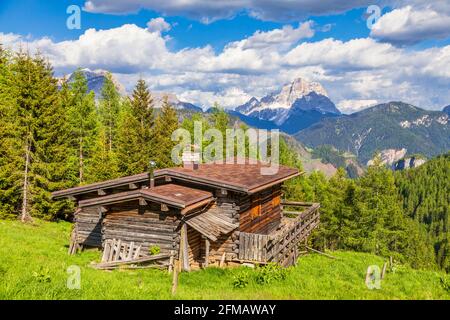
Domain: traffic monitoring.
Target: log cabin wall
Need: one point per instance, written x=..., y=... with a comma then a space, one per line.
x=88, y=227
x=147, y=226
x=261, y=212
x=226, y=244
x=194, y=247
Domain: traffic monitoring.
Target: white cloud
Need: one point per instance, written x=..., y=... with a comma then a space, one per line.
x=285, y=36
x=354, y=71
x=410, y=25
x=158, y=25
x=351, y=106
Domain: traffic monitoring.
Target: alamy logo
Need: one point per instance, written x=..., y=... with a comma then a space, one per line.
x=239, y=146
x=74, y=277
x=74, y=20
x=373, y=277
x=374, y=13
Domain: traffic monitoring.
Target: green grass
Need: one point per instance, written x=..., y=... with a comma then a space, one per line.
x=34, y=262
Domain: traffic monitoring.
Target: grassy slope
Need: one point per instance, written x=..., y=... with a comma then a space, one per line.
x=42, y=249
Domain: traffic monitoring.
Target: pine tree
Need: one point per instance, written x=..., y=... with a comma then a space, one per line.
x=142, y=105
x=9, y=146
x=83, y=121
x=134, y=137
x=109, y=110
x=37, y=143
x=103, y=164
x=166, y=123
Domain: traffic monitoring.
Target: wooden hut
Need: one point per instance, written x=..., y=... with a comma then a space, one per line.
x=208, y=214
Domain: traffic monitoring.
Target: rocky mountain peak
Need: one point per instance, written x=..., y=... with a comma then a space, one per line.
x=298, y=89
x=298, y=103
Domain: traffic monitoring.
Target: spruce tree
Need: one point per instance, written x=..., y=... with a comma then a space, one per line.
x=103, y=163
x=37, y=144
x=134, y=137
x=9, y=146
x=83, y=122
x=166, y=123
x=109, y=110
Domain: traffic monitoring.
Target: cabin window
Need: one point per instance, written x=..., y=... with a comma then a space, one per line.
x=255, y=211
x=276, y=201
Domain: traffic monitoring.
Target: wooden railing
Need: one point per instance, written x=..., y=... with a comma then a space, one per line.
x=281, y=246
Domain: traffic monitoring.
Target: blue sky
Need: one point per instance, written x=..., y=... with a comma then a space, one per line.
x=216, y=51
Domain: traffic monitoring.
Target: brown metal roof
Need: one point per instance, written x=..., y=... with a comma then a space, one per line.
x=142, y=177
x=246, y=178
x=241, y=177
x=170, y=194
x=173, y=193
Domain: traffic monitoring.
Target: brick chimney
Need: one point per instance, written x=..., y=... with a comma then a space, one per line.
x=151, y=175
x=191, y=159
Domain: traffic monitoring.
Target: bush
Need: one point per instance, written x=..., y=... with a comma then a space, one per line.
x=269, y=273
x=42, y=275
x=241, y=280
x=154, y=250
x=261, y=275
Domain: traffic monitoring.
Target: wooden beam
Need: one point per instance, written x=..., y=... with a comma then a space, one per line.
x=102, y=210
x=175, y=277
x=133, y=186
x=207, y=245
x=222, y=260
x=184, y=248
x=142, y=202
x=320, y=252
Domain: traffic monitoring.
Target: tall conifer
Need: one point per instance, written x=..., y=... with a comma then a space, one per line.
x=83, y=122
x=37, y=145
x=166, y=123
x=109, y=110
x=135, y=143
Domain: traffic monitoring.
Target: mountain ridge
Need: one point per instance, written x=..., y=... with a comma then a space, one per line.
x=393, y=125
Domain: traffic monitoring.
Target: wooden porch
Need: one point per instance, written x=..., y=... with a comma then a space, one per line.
x=281, y=246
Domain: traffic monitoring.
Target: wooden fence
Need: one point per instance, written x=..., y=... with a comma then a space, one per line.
x=282, y=245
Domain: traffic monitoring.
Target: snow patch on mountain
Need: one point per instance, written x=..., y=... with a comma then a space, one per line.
x=278, y=106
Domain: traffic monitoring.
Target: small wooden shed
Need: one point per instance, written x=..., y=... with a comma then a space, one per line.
x=208, y=214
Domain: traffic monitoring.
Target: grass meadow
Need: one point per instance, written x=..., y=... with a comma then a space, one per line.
x=34, y=263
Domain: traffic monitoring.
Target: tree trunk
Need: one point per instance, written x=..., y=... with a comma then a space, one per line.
x=25, y=216
x=81, y=171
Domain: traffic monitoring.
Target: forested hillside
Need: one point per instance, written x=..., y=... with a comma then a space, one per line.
x=393, y=125
x=425, y=193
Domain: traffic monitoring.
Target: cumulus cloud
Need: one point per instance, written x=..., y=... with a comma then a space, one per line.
x=208, y=10
x=158, y=25
x=354, y=72
x=410, y=25
x=351, y=106
x=278, y=37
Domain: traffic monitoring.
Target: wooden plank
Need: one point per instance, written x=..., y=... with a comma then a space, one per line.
x=134, y=261
x=222, y=260
x=106, y=251
x=137, y=253
x=207, y=244
x=175, y=277
x=118, y=248
x=130, y=251
x=111, y=252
